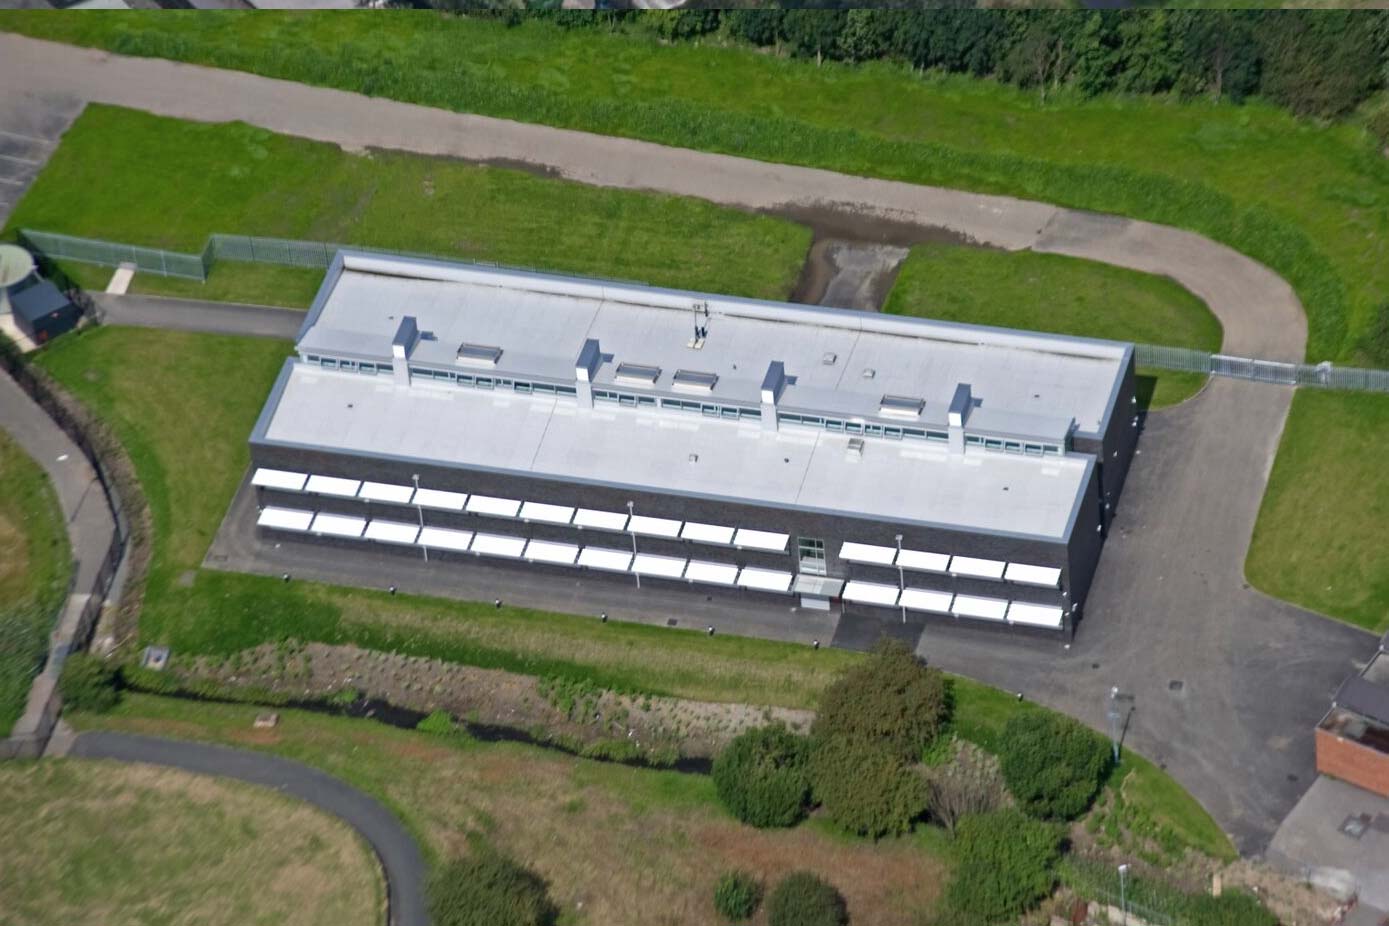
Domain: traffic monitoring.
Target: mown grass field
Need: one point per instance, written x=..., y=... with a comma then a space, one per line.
x=1062, y=295
x=110, y=844
x=228, y=281
x=618, y=845
x=35, y=568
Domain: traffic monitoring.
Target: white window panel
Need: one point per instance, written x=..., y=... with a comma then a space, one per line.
x=925, y=599
x=1033, y=575
x=498, y=545
x=609, y=560
x=978, y=568
x=500, y=507
x=654, y=527
x=332, y=485
x=392, y=531
x=285, y=519
x=767, y=580
x=602, y=520
x=870, y=593
x=444, y=539
x=994, y=609
x=1038, y=615
x=437, y=498
x=867, y=553
x=761, y=540
x=649, y=564
x=550, y=514
x=338, y=525
x=544, y=551
x=279, y=479
x=386, y=492
x=923, y=561
x=706, y=533
x=713, y=573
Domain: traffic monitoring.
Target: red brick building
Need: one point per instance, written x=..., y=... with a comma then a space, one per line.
x=1353, y=737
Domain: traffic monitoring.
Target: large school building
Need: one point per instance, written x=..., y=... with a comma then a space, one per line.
x=827, y=458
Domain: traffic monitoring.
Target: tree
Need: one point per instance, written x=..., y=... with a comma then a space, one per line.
x=488, y=889
x=1321, y=63
x=891, y=700
x=804, y=899
x=1220, y=56
x=969, y=783
x=736, y=896
x=866, y=789
x=813, y=32
x=1053, y=765
x=758, y=27
x=1005, y=863
x=762, y=776
x=1036, y=59
x=1149, y=54
x=88, y=683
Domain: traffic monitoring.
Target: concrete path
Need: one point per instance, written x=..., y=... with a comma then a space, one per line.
x=1170, y=604
x=30, y=125
x=400, y=856
x=193, y=315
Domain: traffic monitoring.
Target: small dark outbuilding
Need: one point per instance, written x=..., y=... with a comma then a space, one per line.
x=41, y=310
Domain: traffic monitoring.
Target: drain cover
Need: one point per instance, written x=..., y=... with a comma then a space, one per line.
x=1094, y=665
x=1355, y=826
x=1176, y=685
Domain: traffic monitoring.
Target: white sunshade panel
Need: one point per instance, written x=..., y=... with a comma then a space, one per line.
x=550, y=514
x=994, y=609
x=978, y=568
x=649, y=564
x=923, y=561
x=925, y=599
x=601, y=520
x=767, y=580
x=392, y=531
x=441, y=538
x=338, y=525
x=386, y=492
x=608, y=560
x=438, y=498
x=500, y=507
x=1048, y=576
x=1037, y=615
x=712, y=573
x=285, y=519
x=498, y=545
x=706, y=533
x=870, y=593
x=544, y=551
x=279, y=479
x=333, y=485
x=761, y=540
x=867, y=553
x=654, y=527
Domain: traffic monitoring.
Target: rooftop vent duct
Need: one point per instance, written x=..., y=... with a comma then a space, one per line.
x=480, y=354
x=638, y=374
x=695, y=381
x=407, y=333
x=960, y=405
x=855, y=448
x=585, y=369
x=901, y=406
x=772, y=385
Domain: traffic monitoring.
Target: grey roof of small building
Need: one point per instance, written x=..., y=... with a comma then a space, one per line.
x=1364, y=697
x=36, y=300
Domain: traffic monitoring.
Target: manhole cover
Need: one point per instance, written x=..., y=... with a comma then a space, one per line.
x=1176, y=685
x=672, y=622
x=1355, y=826
x=1094, y=665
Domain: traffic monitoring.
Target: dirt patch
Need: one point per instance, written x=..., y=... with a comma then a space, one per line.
x=848, y=274
x=544, y=171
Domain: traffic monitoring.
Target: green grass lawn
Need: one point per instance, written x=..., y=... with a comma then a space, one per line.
x=1321, y=538
x=1063, y=295
x=35, y=568
x=237, y=179
x=115, y=844
x=228, y=281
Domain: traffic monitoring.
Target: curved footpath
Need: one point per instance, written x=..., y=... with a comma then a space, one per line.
x=400, y=857
x=1228, y=682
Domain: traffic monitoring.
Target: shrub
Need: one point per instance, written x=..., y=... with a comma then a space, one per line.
x=88, y=683
x=488, y=889
x=1004, y=864
x=438, y=723
x=804, y=899
x=890, y=699
x=1235, y=908
x=969, y=783
x=1053, y=765
x=866, y=789
x=737, y=895
x=761, y=776
x=1377, y=338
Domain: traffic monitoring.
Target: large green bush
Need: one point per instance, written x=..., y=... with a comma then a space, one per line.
x=737, y=895
x=1235, y=908
x=1005, y=863
x=867, y=789
x=890, y=700
x=803, y=898
x=762, y=776
x=488, y=889
x=88, y=683
x=1052, y=764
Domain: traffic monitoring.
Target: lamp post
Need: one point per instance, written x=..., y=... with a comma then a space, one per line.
x=901, y=579
x=415, y=477
x=1115, y=714
x=630, y=506
x=1123, y=897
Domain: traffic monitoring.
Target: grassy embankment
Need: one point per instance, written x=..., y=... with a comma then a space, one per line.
x=35, y=568
x=110, y=844
x=1310, y=200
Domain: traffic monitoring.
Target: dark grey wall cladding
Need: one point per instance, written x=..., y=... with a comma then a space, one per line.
x=1120, y=439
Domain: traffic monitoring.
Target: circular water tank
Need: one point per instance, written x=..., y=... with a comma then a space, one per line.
x=15, y=264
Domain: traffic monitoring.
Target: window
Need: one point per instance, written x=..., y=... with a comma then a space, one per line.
x=811, y=554
x=937, y=435
x=1012, y=446
x=973, y=441
x=993, y=444
x=1034, y=450
x=384, y=368
x=328, y=363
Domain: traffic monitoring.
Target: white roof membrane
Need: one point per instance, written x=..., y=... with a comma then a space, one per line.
x=600, y=520
x=1048, y=576
x=391, y=531
x=550, y=514
x=333, y=485
x=870, y=593
x=437, y=498
x=867, y=553
x=706, y=533
x=922, y=561
x=712, y=573
x=761, y=540
x=994, y=609
x=445, y=539
x=497, y=507
x=925, y=599
x=386, y=492
x=608, y=560
x=976, y=568
x=498, y=545
x=767, y=580
x=649, y=564
x=338, y=525
x=279, y=479
x=285, y=519
x=544, y=551
x=1037, y=615
x=653, y=527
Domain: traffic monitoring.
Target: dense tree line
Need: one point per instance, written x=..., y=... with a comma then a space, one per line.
x=1316, y=63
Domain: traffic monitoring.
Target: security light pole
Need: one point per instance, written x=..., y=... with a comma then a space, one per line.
x=901, y=579
x=630, y=506
x=1115, y=715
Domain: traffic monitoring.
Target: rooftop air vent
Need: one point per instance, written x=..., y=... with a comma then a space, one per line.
x=695, y=381
x=901, y=406
x=483, y=354
x=869, y=373
x=637, y=373
x=855, y=448
x=830, y=358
